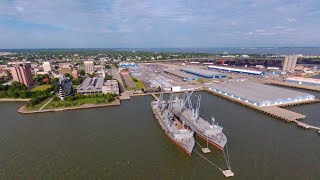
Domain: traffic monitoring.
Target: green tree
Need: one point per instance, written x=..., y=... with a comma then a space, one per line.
x=67, y=75
x=108, y=78
x=76, y=81
x=92, y=75
x=54, y=81
x=82, y=72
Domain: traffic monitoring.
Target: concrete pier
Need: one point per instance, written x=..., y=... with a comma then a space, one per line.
x=274, y=111
x=292, y=85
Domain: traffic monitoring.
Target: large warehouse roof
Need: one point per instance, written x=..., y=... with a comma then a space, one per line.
x=236, y=70
x=257, y=92
x=180, y=74
x=203, y=72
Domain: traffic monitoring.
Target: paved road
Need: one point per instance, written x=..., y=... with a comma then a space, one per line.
x=116, y=75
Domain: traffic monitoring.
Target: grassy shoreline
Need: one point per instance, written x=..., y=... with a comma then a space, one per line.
x=24, y=110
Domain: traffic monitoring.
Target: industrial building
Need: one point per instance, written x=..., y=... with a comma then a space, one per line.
x=185, y=76
x=236, y=70
x=259, y=94
x=306, y=81
x=127, y=65
x=289, y=63
x=203, y=73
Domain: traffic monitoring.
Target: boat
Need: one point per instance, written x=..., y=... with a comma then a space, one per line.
x=211, y=132
x=172, y=127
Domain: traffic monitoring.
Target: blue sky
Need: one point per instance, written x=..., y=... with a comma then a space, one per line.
x=158, y=23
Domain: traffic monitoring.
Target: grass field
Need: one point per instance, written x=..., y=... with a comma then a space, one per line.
x=41, y=87
x=38, y=106
x=139, y=85
x=78, y=102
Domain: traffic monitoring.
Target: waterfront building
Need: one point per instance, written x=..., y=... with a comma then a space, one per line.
x=47, y=66
x=91, y=86
x=65, y=87
x=22, y=73
x=89, y=67
x=110, y=86
x=259, y=94
x=97, y=85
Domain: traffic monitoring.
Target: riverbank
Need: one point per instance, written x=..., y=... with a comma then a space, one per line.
x=24, y=109
x=14, y=100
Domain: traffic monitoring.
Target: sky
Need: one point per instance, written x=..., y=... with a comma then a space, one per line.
x=159, y=23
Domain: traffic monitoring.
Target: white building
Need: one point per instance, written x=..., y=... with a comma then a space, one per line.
x=89, y=67
x=47, y=66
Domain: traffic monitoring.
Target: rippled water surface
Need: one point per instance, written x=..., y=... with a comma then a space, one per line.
x=126, y=142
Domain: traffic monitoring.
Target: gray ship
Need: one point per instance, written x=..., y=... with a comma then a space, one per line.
x=174, y=129
x=183, y=110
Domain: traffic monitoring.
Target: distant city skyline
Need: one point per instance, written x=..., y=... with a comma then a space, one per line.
x=158, y=24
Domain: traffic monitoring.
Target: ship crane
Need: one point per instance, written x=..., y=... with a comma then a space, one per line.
x=185, y=98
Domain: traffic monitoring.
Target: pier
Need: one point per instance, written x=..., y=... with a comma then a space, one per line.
x=275, y=111
x=292, y=85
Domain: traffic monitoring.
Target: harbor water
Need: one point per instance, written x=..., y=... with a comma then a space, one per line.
x=126, y=142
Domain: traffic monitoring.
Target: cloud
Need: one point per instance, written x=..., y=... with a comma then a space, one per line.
x=291, y=19
x=165, y=22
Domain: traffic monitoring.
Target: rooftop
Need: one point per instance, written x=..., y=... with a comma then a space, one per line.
x=91, y=84
x=236, y=69
x=180, y=74
x=257, y=92
x=203, y=72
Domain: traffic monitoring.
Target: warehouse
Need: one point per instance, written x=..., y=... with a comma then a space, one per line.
x=235, y=70
x=306, y=81
x=259, y=94
x=181, y=74
x=203, y=73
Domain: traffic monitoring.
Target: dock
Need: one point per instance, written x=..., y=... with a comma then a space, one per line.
x=274, y=111
x=281, y=113
x=292, y=85
x=306, y=126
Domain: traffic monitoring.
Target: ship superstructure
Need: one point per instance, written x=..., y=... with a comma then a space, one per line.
x=173, y=128
x=211, y=132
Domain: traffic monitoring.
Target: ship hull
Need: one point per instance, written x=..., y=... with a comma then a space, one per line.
x=166, y=131
x=198, y=133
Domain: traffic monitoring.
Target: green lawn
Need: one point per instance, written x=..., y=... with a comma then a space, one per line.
x=139, y=86
x=41, y=87
x=78, y=102
x=38, y=106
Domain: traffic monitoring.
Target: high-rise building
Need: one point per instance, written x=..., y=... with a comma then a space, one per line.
x=47, y=66
x=22, y=73
x=89, y=67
